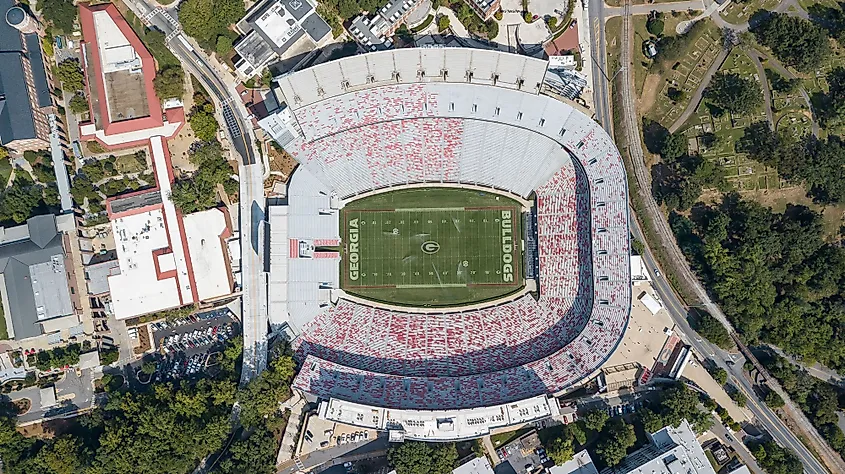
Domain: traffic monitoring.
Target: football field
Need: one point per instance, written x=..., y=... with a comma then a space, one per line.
x=432, y=255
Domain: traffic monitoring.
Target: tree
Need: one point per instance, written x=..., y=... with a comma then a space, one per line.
x=70, y=75
x=200, y=191
x=596, y=419
x=775, y=459
x=148, y=367
x=205, y=20
x=260, y=398
x=170, y=83
x=443, y=23
x=738, y=397
x=204, y=124
x=577, y=431
x=64, y=455
x=652, y=422
x=78, y=104
x=720, y=375
x=731, y=92
x=795, y=41
x=674, y=147
x=256, y=454
x=60, y=13
x=417, y=457
x=560, y=449
x=224, y=45
x=832, y=108
x=616, y=438
x=711, y=329
x=18, y=202
x=773, y=400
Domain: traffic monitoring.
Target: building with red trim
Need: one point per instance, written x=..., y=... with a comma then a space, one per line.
x=119, y=71
x=166, y=259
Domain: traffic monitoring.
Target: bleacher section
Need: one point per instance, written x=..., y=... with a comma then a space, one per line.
x=364, y=127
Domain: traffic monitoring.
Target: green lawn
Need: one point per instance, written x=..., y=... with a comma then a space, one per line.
x=432, y=247
x=134, y=163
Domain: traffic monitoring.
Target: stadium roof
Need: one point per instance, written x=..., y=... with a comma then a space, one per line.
x=380, y=120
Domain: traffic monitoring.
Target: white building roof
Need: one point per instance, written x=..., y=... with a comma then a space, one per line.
x=639, y=271
x=581, y=463
x=672, y=451
x=476, y=466
x=138, y=289
x=48, y=397
x=650, y=303
x=116, y=53
x=204, y=231
x=440, y=425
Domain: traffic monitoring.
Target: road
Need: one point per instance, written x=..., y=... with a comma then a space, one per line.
x=198, y=64
x=74, y=392
x=676, y=309
x=764, y=82
x=336, y=455
x=598, y=45
x=252, y=202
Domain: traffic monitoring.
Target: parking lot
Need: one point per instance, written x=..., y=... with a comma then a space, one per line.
x=523, y=456
x=186, y=343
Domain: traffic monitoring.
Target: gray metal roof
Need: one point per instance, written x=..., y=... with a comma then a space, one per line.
x=98, y=276
x=316, y=27
x=254, y=48
x=16, y=121
x=136, y=201
x=22, y=264
x=39, y=72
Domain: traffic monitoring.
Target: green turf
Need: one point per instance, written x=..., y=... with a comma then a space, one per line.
x=432, y=247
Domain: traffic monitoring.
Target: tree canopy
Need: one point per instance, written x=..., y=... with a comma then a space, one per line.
x=169, y=83
x=70, y=75
x=817, y=164
x=199, y=192
x=78, y=104
x=775, y=459
x=615, y=440
x=709, y=327
x=204, y=123
x=736, y=94
x=60, y=13
x=205, y=20
x=795, y=41
x=417, y=457
x=774, y=274
x=167, y=429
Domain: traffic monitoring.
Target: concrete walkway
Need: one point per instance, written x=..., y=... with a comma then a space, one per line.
x=491, y=450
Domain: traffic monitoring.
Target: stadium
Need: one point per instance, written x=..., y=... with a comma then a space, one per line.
x=453, y=250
